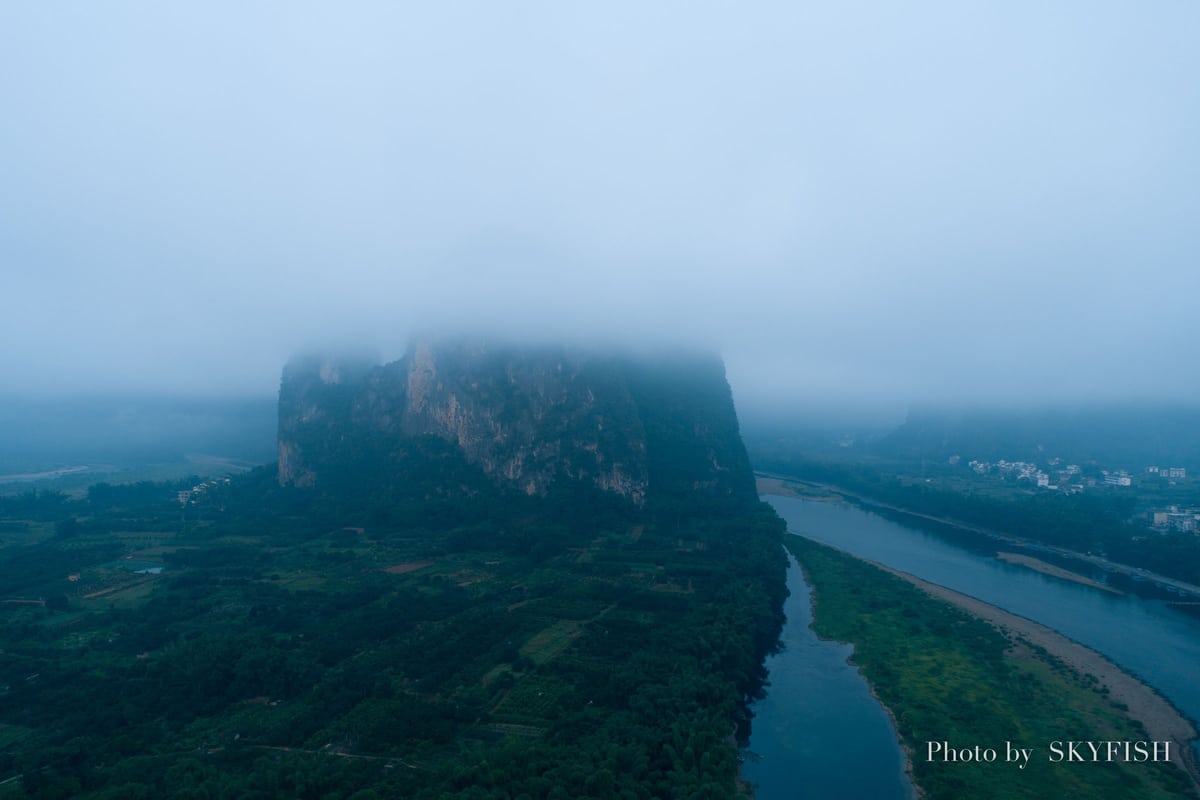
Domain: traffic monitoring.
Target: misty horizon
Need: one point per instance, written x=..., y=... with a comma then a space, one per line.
x=858, y=207
x=836, y=409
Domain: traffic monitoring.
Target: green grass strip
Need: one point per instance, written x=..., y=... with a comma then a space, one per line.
x=949, y=677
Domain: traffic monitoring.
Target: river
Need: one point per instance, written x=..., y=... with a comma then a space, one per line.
x=844, y=727
x=1149, y=638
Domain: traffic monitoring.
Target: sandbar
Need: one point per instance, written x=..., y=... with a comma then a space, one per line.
x=1058, y=572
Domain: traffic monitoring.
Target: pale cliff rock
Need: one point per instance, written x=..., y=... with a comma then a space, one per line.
x=527, y=417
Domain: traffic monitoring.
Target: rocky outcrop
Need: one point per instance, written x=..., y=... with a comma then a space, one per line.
x=529, y=418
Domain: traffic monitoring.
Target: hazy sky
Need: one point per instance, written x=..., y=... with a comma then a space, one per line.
x=852, y=200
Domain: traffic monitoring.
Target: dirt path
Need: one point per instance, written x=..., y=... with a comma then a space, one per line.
x=330, y=751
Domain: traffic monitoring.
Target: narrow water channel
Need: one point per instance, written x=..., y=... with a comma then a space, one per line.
x=819, y=733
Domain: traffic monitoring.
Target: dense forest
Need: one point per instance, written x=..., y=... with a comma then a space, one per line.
x=483, y=572
x=398, y=639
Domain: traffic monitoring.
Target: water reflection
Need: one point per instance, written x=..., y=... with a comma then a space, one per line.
x=819, y=733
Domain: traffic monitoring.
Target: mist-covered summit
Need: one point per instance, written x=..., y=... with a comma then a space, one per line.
x=527, y=418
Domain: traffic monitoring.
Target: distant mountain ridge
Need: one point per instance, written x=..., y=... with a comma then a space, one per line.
x=1128, y=435
x=44, y=432
x=528, y=418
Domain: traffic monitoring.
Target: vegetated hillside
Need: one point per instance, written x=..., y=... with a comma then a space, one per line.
x=1130, y=436
x=415, y=622
x=529, y=419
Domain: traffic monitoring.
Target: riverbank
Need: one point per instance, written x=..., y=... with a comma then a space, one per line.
x=784, y=486
x=949, y=672
x=819, y=722
x=1162, y=721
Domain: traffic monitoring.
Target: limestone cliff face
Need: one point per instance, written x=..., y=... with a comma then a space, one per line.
x=527, y=417
x=312, y=395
